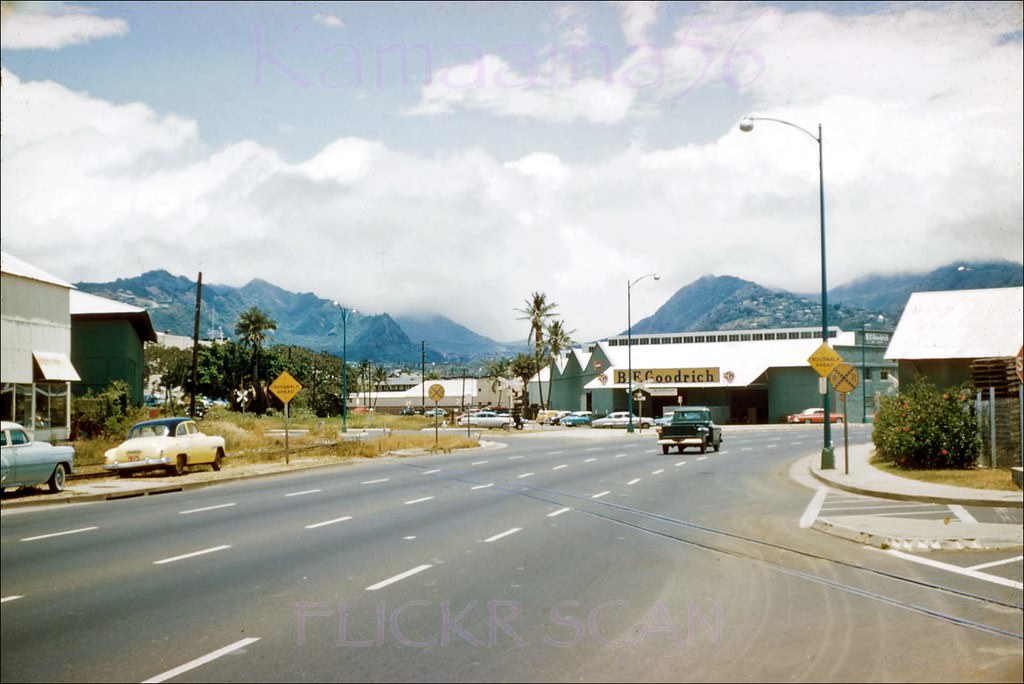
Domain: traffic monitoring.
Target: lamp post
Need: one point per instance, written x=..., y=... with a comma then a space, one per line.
x=629, y=341
x=344, y=365
x=747, y=125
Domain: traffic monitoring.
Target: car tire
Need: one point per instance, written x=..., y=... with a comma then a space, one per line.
x=704, y=446
x=217, y=459
x=124, y=473
x=58, y=479
x=664, y=448
x=717, y=446
x=178, y=468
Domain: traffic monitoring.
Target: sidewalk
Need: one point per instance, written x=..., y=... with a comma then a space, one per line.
x=952, y=533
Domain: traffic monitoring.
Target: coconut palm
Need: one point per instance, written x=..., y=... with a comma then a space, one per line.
x=537, y=311
x=498, y=373
x=559, y=339
x=251, y=329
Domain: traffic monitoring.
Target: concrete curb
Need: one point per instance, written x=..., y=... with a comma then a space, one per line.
x=912, y=543
x=924, y=498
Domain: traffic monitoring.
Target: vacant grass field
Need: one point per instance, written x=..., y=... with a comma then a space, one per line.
x=978, y=478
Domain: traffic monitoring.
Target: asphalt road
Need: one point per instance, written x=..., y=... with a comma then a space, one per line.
x=569, y=556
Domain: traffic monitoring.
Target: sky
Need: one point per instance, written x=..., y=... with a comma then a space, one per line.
x=454, y=158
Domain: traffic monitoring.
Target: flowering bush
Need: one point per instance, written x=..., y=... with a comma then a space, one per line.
x=925, y=428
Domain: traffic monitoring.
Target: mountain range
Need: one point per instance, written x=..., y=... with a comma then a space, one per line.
x=709, y=303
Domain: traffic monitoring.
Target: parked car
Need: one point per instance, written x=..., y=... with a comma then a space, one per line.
x=576, y=418
x=171, y=444
x=813, y=415
x=439, y=412
x=26, y=463
x=487, y=419
x=620, y=419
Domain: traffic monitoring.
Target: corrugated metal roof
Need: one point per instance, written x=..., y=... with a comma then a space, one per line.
x=15, y=266
x=960, y=324
x=83, y=303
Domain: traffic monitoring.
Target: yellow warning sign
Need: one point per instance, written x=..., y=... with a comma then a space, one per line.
x=844, y=377
x=285, y=387
x=824, y=359
x=436, y=392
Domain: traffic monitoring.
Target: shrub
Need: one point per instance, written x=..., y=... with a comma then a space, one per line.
x=108, y=413
x=923, y=428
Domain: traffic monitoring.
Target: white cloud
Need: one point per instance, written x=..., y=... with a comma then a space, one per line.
x=328, y=20
x=637, y=17
x=32, y=30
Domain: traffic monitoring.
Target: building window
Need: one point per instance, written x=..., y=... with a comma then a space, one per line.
x=698, y=338
x=883, y=374
x=677, y=340
x=794, y=336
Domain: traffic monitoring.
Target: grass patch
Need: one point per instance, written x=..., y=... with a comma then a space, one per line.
x=976, y=478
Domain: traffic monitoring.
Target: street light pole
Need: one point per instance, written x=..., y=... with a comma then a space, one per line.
x=629, y=341
x=344, y=365
x=747, y=125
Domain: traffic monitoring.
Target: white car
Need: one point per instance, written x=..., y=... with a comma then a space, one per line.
x=620, y=419
x=171, y=444
x=25, y=462
x=487, y=419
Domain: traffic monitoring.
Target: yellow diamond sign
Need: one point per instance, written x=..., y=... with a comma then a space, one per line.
x=285, y=387
x=824, y=359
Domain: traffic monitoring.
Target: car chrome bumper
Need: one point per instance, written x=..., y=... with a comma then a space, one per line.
x=146, y=463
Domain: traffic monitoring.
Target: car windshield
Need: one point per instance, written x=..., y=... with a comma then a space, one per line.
x=148, y=431
x=691, y=415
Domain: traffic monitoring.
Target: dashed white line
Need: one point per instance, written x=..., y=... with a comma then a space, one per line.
x=702, y=458
x=60, y=534
x=560, y=511
x=420, y=500
x=205, y=508
x=398, y=578
x=431, y=472
x=502, y=534
x=489, y=484
x=592, y=449
x=328, y=522
x=555, y=453
x=519, y=477
x=559, y=467
x=589, y=460
x=600, y=494
x=377, y=481
x=619, y=455
x=659, y=471
x=512, y=458
x=191, y=665
x=633, y=481
x=747, y=449
x=304, y=492
x=174, y=559
x=681, y=463
x=478, y=462
x=15, y=597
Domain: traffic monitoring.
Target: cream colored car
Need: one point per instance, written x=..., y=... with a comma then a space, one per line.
x=171, y=444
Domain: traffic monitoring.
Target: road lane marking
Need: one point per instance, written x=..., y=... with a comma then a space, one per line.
x=967, y=572
x=559, y=467
x=489, y=484
x=478, y=462
x=681, y=463
x=811, y=512
x=431, y=472
x=589, y=460
x=192, y=555
x=383, y=479
x=961, y=513
x=502, y=534
x=593, y=449
x=747, y=449
x=1005, y=561
x=304, y=492
x=633, y=481
x=560, y=511
x=15, y=597
x=191, y=665
x=619, y=455
x=328, y=522
x=702, y=458
x=399, y=577
x=555, y=453
x=512, y=458
x=421, y=500
x=205, y=508
x=519, y=477
x=659, y=471
x=60, y=534
x=600, y=494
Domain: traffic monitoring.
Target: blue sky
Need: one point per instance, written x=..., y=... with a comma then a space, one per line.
x=560, y=147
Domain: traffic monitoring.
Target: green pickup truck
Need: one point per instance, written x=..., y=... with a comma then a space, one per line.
x=690, y=426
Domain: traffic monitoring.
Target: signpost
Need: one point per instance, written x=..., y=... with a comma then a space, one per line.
x=844, y=377
x=436, y=393
x=285, y=387
x=823, y=360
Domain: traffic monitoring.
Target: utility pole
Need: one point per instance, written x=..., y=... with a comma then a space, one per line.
x=195, y=347
x=423, y=377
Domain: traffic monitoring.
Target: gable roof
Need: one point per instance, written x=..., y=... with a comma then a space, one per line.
x=960, y=324
x=15, y=266
x=89, y=306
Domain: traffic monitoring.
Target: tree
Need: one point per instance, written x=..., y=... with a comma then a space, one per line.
x=252, y=328
x=498, y=373
x=537, y=311
x=523, y=367
x=559, y=339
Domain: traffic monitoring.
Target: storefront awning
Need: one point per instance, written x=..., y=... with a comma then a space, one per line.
x=54, y=366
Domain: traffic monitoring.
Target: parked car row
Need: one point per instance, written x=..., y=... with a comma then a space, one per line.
x=813, y=415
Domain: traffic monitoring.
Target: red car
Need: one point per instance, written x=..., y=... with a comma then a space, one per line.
x=813, y=415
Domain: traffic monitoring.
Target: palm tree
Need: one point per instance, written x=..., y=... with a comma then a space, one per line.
x=559, y=339
x=498, y=372
x=537, y=310
x=251, y=329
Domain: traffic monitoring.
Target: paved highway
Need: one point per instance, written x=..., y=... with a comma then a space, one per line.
x=576, y=555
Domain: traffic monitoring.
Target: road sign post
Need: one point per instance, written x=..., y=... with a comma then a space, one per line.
x=437, y=394
x=844, y=377
x=823, y=360
x=285, y=387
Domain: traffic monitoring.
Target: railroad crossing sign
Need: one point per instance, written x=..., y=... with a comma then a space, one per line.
x=285, y=387
x=436, y=392
x=844, y=377
x=824, y=359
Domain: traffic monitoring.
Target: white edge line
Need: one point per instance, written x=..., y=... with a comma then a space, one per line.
x=205, y=508
x=327, y=522
x=966, y=572
x=59, y=534
x=560, y=511
x=503, y=534
x=303, y=493
x=1005, y=561
x=200, y=661
x=15, y=597
x=813, y=508
x=398, y=578
x=193, y=554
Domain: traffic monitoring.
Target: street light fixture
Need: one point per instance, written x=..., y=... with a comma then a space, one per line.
x=344, y=365
x=747, y=125
x=629, y=341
